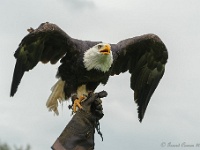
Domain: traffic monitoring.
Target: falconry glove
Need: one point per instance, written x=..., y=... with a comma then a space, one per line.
x=79, y=133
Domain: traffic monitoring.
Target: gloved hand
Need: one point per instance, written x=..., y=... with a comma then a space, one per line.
x=93, y=104
x=79, y=133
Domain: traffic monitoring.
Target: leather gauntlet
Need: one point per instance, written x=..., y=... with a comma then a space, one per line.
x=79, y=133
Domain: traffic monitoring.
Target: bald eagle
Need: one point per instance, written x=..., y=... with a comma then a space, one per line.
x=86, y=64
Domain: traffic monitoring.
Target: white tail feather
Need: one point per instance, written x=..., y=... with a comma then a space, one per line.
x=57, y=95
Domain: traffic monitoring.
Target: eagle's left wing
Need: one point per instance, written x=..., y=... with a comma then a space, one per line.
x=47, y=43
x=145, y=58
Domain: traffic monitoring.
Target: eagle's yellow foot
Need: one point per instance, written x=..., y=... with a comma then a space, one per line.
x=77, y=103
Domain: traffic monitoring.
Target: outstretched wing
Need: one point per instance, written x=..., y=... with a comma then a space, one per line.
x=46, y=43
x=145, y=57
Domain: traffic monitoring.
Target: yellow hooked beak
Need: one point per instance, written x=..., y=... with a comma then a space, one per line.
x=105, y=49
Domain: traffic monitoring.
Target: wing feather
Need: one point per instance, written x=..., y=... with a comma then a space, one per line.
x=47, y=43
x=145, y=58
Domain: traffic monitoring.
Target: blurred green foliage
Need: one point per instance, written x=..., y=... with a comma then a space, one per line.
x=5, y=146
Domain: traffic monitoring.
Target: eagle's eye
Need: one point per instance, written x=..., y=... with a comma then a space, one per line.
x=100, y=46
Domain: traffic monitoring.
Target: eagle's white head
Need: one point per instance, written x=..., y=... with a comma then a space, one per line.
x=98, y=57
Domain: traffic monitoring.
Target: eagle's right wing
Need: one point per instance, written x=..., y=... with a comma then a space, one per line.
x=46, y=43
x=145, y=58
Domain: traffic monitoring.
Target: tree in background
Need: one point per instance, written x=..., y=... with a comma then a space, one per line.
x=5, y=146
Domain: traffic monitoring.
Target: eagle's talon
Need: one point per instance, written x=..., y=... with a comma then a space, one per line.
x=77, y=103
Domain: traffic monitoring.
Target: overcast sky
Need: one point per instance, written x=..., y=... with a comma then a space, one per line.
x=173, y=114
